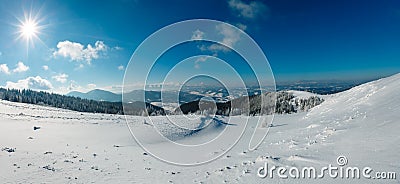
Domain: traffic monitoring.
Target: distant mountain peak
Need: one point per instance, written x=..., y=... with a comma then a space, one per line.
x=98, y=95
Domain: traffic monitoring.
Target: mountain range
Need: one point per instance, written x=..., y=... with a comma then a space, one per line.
x=98, y=95
x=137, y=95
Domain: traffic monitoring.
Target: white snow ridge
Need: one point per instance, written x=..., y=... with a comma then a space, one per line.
x=362, y=123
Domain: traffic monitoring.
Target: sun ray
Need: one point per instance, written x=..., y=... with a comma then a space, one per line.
x=29, y=29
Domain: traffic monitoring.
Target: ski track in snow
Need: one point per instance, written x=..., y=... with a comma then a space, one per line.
x=70, y=147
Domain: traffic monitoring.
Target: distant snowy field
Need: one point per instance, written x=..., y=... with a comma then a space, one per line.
x=362, y=124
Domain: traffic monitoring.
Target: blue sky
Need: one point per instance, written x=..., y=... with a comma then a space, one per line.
x=83, y=45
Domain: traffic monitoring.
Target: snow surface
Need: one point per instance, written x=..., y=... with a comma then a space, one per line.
x=303, y=94
x=70, y=147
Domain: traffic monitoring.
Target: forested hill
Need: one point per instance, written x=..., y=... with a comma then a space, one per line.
x=76, y=103
x=286, y=103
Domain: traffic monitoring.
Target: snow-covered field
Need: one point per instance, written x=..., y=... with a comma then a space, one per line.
x=48, y=145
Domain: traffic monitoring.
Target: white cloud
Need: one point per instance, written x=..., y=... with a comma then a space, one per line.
x=62, y=77
x=250, y=10
x=74, y=86
x=80, y=66
x=241, y=26
x=199, y=60
x=4, y=69
x=45, y=67
x=121, y=67
x=21, y=67
x=114, y=88
x=117, y=48
x=202, y=47
x=230, y=36
x=77, y=52
x=37, y=83
x=198, y=35
x=91, y=86
x=217, y=47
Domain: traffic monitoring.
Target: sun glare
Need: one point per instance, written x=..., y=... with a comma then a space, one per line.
x=28, y=29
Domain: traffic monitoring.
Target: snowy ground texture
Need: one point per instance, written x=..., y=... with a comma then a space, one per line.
x=48, y=145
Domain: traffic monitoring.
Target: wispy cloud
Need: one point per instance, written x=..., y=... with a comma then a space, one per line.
x=249, y=10
x=121, y=67
x=75, y=86
x=91, y=86
x=36, y=83
x=21, y=67
x=62, y=77
x=230, y=36
x=78, y=52
x=241, y=26
x=217, y=47
x=200, y=60
x=117, y=48
x=45, y=67
x=4, y=69
x=79, y=67
x=198, y=35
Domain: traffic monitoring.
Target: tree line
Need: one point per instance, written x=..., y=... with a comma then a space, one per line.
x=60, y=101
x=285, y=103
x=281, y=102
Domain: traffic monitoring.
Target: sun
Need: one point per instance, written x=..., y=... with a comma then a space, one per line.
x=28, y=29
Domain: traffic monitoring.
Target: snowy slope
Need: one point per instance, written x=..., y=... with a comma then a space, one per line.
x=303, y=94
x=361, y=124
